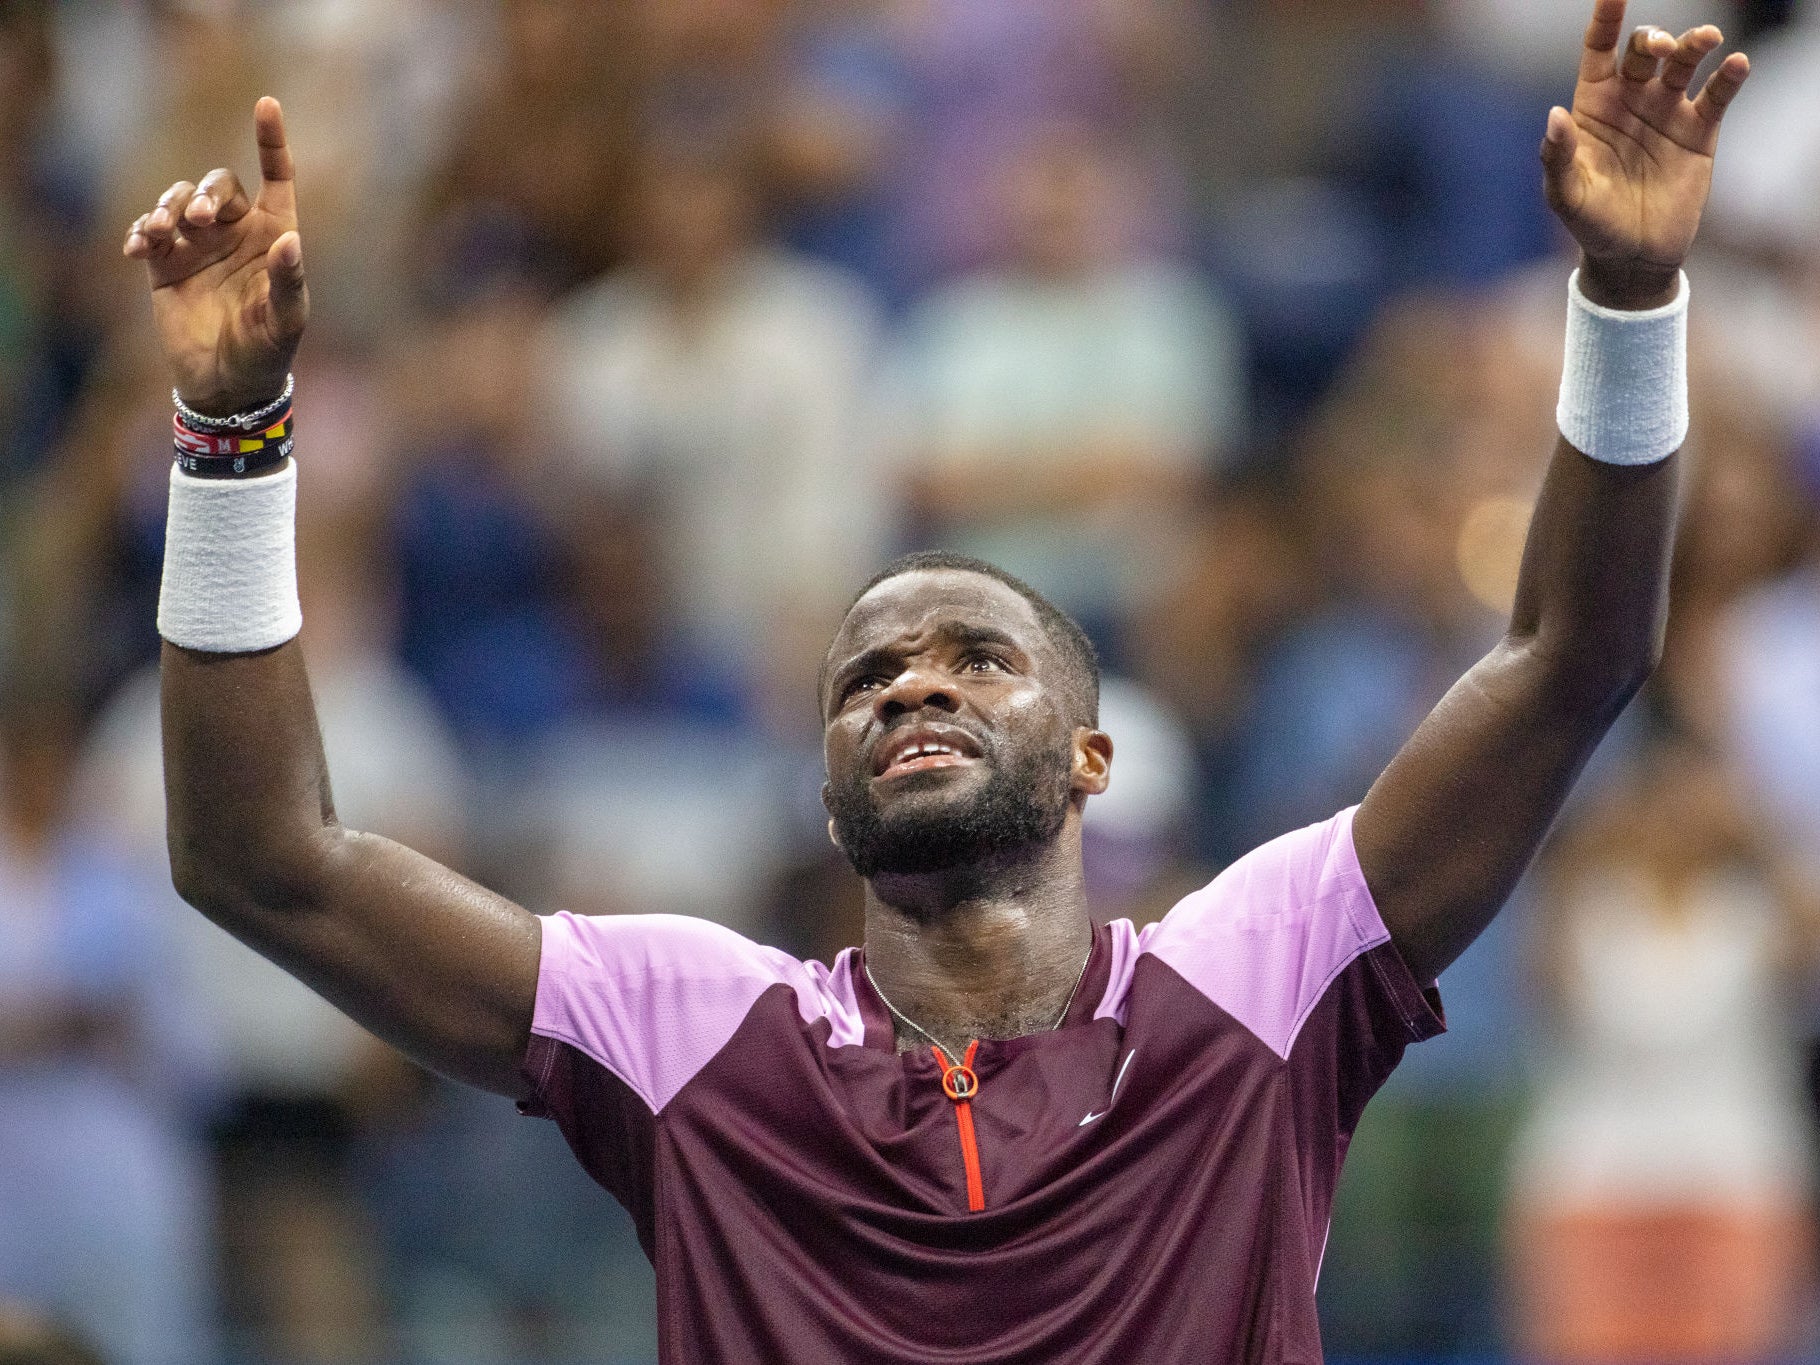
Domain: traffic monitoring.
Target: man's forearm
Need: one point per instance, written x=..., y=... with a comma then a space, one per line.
x=1592, y=596
x=1591, y=600
x=1445, y=833
x=246, y=785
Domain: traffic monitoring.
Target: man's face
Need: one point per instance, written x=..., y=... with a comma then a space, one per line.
x=948, y=737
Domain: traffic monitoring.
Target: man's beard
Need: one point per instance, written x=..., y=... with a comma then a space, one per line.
x=1021, y=804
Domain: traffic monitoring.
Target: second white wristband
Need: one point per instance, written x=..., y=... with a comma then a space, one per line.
x=230, y=563
x=1624, y=379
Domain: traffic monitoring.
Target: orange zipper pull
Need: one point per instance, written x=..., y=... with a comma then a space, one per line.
x=960, y=1084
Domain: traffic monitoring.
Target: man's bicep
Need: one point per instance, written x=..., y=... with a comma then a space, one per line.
x=437, y=965
x=1446, y=832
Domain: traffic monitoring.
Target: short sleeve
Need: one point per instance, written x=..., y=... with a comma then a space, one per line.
x=1290, y=932
x=653, y=998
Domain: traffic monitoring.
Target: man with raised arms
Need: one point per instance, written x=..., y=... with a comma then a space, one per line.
x=993, y=1133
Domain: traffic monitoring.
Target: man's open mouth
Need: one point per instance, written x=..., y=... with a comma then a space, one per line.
x=923, y=749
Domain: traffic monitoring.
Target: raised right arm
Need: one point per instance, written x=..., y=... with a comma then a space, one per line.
x=438, y=966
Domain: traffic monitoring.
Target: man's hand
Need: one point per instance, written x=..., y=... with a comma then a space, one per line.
x=1628, y=170
x=228, y=294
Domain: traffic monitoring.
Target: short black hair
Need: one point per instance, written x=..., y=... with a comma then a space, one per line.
x=1080, y=660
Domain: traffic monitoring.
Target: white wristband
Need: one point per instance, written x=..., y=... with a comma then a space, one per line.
x=1624, y=379
x=230, y=563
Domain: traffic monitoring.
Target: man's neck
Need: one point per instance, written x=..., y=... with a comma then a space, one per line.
x=986, y=951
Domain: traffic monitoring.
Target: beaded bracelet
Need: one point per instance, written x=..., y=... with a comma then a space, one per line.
x=238, y=421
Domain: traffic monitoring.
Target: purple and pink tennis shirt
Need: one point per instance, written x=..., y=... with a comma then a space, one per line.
x=1151, y=1182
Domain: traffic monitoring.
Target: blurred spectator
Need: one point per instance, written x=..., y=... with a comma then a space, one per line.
x=375, y=94
x=49, y=327
x=1664, y=1185
x=536, y=171
x=903, y=117
x=1748, y=524
x=663, y=816
x=1766, y=190
x=90, y=529
x=1242, y=577
x=1135, y=835
x=1413, y=489
x=720, y=385
x=1768, y=666
x=1058, y=407
x=500, y=1249
x=27, y=1339
x=106, y=1202
x=478, y=530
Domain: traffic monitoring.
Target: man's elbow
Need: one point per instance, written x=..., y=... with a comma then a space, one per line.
x=234, y=883
x=1593, y=676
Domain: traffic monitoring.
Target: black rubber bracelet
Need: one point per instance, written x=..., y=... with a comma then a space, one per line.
x=234, y=466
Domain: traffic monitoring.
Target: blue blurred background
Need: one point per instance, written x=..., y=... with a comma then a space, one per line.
x=643, y=332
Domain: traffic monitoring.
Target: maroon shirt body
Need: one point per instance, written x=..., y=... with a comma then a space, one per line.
x=1156, y=1173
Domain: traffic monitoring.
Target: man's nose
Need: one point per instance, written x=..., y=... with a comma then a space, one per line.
x=914, y=689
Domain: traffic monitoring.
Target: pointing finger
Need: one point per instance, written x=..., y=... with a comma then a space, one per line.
x=136, y=243
x=1647, y=47
x=276, y=192
x=1690, y=51
x=1721, y=87
x=218, y=199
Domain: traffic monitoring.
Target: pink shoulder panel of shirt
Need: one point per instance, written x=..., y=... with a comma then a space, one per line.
x=1266, y=938
x=653, y=998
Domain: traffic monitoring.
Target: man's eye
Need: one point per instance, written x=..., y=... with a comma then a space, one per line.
x=980, y=663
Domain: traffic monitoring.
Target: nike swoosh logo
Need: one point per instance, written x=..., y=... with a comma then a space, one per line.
x=1117, y=1081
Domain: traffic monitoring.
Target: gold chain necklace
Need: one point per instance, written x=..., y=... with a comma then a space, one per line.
x=942, y=1047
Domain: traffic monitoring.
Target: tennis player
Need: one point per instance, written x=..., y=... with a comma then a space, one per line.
x=993, y=1133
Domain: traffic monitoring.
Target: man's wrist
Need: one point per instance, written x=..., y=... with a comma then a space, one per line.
x=226, y=402
x=1624, y=378
x=230, y=562
x=1628, y=286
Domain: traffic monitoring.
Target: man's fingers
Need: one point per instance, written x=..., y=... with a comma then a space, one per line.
x=1644, y=52
x=137, y=244
x=290, y=295
x=219, y=199
x=1606, y=26
x=1602, y=34
x=1721, y=87
x=276, y=192
x=1560, y=178
x=1690, y=51
x=160, y=225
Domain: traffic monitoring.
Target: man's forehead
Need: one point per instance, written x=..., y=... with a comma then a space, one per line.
x=928, y=600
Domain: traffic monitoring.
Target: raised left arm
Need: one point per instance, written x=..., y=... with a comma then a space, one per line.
x=1448, y=829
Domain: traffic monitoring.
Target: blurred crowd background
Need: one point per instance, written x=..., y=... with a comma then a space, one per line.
x=643, y=331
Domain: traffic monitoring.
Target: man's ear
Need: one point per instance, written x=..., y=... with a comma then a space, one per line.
x=1092, y=761
x=827, y=805
x=834, y=838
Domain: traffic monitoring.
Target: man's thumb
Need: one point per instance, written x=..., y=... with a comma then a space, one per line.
x=290, y=295
x=1559, y=141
